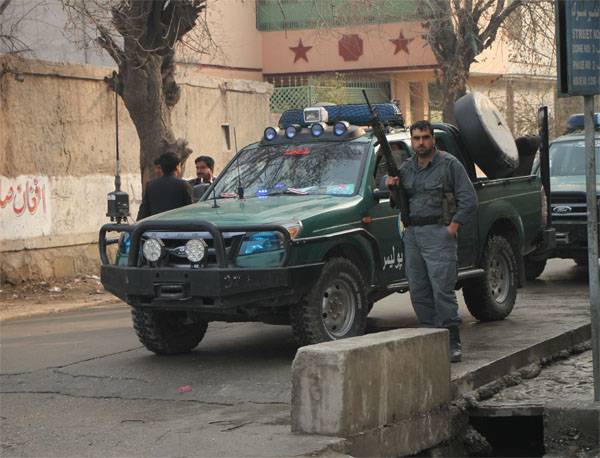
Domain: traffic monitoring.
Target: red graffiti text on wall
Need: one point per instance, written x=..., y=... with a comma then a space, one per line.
x=30, y=197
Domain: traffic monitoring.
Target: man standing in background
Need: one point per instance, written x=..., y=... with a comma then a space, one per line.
x=166, y=192
x=205, y=167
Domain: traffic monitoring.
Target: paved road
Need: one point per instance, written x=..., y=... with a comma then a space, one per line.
x=79, y=383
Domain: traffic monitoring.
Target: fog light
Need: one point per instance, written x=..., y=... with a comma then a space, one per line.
x=153, y=249
x=195, y=249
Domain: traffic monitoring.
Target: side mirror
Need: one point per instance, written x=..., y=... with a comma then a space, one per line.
x=199, y=190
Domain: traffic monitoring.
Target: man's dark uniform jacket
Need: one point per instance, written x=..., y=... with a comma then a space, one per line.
x=164, y=193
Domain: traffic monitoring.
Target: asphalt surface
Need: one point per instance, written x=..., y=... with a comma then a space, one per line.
x=80, y=384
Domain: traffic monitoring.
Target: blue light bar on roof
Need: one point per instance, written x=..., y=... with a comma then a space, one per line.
x=357, y=114
x=576, y=121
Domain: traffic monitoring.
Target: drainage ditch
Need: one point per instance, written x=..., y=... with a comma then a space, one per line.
x=511, y=433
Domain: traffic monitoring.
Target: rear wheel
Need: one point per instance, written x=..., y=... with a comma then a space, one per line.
x=492, y=296
x=168, y=333
x=335, y=308
x=534, y=268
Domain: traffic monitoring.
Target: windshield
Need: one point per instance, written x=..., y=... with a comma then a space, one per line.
x=311, y=168
x=568, y=158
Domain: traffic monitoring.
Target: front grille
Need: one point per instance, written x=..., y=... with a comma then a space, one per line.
x=571, y=206
x=175, y=243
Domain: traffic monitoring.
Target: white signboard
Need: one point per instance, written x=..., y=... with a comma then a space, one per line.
x=24, y=207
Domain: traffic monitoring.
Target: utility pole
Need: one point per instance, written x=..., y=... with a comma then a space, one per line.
x=592, y=232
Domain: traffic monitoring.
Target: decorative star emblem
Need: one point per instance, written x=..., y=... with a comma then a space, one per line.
x=300, y=51
x=401, y=43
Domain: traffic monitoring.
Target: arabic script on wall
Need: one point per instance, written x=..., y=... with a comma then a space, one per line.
x=24, y=207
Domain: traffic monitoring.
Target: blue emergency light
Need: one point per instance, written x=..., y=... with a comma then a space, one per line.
x=317, y=129
x=576, y=122
x=270, y=133
x=291, y=131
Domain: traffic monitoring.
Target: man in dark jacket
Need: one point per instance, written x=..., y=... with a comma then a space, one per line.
x=166, y=192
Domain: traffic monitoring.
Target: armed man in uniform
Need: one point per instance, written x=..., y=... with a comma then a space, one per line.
x=441, y=199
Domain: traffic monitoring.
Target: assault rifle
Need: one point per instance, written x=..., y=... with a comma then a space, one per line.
x=398, y=197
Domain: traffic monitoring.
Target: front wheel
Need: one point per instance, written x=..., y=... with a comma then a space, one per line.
x=335, y=308
x=166, y=332
x=492, y=296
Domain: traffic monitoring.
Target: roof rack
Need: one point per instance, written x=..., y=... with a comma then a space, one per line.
x=356, y=114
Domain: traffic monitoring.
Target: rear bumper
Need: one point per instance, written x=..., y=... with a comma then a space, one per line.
x=571, y=240
x=210, y=289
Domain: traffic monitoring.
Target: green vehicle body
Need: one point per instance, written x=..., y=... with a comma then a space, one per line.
x=361, y=228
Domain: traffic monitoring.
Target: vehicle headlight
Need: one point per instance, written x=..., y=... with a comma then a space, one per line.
x=153, y=249
x=195, y=249
x=261, y=242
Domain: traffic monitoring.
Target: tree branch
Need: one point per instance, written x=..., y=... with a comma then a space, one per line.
x=4, y=5
x=489, y=33
x=106, y=41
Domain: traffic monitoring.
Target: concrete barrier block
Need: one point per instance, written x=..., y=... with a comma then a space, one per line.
x=354, y=385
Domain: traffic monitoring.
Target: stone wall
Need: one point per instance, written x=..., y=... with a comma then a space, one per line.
x=57, y=147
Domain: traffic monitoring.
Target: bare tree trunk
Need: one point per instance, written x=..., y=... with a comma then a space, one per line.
x=453, y=85
x=144, y=98
x=150, y=93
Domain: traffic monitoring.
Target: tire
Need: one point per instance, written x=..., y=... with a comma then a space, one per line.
x=533, y=269
x=492, y=296
x=486, y=135
x=168, y=333
x=335, y=308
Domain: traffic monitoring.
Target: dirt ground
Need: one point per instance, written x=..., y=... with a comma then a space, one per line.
x=38, y=298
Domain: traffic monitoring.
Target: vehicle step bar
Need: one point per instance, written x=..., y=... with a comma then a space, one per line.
x=462, y=275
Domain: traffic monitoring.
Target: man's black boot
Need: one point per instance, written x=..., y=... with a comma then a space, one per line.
x=455, y=346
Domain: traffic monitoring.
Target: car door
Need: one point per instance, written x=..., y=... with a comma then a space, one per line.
x=384, y=226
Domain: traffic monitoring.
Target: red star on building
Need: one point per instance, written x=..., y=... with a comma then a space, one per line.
x=300, y=51
x=401, y=43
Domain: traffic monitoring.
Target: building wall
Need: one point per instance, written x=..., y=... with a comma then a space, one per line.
x=57, y=133
x=237, y=50
x=374, y=50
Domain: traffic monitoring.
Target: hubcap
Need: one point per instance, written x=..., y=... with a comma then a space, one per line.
x=499, y=277
x=338, y=308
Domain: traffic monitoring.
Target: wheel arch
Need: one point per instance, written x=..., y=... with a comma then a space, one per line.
x=357, y=251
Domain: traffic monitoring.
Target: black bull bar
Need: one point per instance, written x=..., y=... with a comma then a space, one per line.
x=222, y=261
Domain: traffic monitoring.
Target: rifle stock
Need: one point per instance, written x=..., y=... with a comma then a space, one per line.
x=398, y=197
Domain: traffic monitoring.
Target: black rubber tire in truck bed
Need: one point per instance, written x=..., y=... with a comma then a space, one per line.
x=486, y=135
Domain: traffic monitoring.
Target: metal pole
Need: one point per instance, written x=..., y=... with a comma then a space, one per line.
x=592, y=230
x=117, y=171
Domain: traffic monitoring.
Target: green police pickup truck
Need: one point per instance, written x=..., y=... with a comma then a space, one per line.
x=295, y=231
